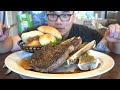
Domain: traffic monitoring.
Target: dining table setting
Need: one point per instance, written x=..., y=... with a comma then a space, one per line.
x=113, y=73
x=106, y=64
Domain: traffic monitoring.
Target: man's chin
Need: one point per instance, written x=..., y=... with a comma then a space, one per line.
x=62, y=34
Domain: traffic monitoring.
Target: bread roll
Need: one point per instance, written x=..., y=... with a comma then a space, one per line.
x=31, y=34
x=50, y=30
x=46, y=38
x=33, y=43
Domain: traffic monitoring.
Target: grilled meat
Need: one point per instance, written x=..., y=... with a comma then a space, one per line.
x=50, y=57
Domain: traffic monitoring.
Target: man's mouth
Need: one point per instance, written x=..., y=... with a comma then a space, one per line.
x=60, y=29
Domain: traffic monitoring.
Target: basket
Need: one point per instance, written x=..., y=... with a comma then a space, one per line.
x=30, y=49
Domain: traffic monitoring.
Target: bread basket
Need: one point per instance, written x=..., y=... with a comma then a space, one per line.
x=30, y=49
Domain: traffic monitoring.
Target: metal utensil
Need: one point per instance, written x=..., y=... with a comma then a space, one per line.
x=12, y=25
x=104, y=42
x=8, y=70
x=95, y=23
x=100, y=26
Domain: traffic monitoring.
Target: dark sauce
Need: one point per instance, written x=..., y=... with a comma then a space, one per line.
x=77, y=70
x=24, y=63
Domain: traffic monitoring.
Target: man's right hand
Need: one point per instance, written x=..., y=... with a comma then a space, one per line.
x=4, y=35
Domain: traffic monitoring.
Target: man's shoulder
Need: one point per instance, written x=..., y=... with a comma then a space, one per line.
x=80, y=27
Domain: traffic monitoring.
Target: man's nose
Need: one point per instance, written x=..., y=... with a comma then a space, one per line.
x=58, y=20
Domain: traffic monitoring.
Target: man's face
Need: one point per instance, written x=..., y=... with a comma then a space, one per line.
x=61, y=20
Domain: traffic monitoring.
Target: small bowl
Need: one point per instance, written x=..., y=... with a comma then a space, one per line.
x=30, y=49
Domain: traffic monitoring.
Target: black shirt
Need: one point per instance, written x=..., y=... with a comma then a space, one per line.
x=87, y=34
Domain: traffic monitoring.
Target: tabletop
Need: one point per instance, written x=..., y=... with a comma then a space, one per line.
x=114, y=73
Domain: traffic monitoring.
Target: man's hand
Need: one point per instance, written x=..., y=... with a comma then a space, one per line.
x=4, y=35
x=112, y=34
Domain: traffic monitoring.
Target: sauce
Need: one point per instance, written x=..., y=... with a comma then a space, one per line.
x=77, y=70
x=24, y=63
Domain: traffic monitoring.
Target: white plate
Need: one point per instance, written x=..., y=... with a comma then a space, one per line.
x=12, y=60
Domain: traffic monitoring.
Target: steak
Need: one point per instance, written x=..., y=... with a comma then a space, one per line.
x=49, y=57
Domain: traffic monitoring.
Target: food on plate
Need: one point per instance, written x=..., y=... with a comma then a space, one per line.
x=25, y=63
x=46, y=39
x=42, y=36
x=85, y=47
x=49, y=57
x=88, y=62
x=67, y=53
x=50, y=30
x=33, y=43
x=31, y=38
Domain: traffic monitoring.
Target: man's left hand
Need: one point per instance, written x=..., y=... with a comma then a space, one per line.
x=112, y=34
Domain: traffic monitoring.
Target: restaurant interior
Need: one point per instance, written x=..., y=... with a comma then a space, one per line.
x=34, y=18
x=38, y=18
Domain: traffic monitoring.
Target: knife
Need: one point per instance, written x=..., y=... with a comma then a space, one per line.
x=12, y=25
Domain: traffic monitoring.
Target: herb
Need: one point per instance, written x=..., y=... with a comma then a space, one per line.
x=58, y=40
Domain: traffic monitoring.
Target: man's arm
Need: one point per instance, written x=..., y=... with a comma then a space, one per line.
x=108, y=46
x=111, y=40
x=112, y=35
x=102, y=46
x=9, y=44
x=15, y=41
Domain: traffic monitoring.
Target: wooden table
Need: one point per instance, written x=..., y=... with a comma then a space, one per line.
x=114, y=73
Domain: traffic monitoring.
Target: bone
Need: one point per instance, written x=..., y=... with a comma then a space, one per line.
x=74, y=57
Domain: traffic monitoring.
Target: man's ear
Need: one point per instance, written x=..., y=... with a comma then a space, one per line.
x=73, y=16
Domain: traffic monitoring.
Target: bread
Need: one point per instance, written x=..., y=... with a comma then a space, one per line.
x=25, y=36
x=44, y=35
x=50, y=30
x=46, y=38
x=88, y=62
x=33, y=43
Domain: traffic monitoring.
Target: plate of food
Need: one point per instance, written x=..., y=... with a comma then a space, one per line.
x=34, y=40
x=68, y=60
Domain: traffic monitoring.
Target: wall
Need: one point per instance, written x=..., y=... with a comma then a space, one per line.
x=1, y=16
x=10, y=19
x=118, y=16
x=101, y=14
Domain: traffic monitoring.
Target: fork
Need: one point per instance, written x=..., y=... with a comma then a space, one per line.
x=104, y=41
x=12, y=25
x=8, y=70
x=94, y=23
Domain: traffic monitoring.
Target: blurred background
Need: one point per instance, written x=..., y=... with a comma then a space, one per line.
x=35, y=18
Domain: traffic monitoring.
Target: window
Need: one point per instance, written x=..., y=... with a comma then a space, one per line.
x=2, y=16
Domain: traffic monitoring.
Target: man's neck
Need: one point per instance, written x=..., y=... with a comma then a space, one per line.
x=66, y=35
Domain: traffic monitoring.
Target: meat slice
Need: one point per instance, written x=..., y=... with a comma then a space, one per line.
x=50, y=57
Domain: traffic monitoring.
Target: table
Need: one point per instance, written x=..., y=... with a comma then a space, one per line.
x=12, y=75
x=114, y=73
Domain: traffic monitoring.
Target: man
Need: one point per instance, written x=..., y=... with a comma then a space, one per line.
x=63, y=21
